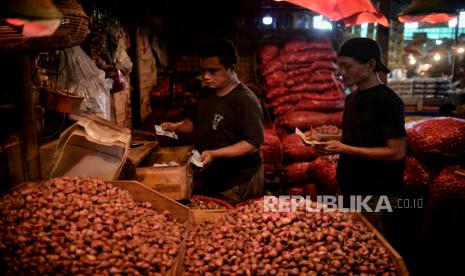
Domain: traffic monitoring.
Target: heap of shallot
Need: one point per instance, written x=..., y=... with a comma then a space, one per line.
x=249, y=241
x=79, y=225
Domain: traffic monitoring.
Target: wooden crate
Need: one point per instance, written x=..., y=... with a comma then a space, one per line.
x=141, y=192
x=172, y=181
x=396, y=258
x=161, y=202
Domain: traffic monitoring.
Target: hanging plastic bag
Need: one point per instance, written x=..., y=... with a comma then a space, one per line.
x=81, y=77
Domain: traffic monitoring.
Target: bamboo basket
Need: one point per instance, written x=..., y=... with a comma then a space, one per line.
x=72, y=31
x=59, y=100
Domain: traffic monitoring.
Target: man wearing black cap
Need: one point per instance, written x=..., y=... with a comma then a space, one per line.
x=372, y=147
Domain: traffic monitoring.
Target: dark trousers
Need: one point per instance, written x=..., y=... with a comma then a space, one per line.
x=253, y=188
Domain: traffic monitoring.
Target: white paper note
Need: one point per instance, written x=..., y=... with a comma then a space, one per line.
x=305, y=140
x=195, y=158
x=159, y=131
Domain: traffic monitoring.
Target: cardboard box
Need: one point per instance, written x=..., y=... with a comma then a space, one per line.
x=173, y=181
x=93, y=147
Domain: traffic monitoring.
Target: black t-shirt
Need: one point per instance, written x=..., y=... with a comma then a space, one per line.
x=224, y=121
x=371, y=117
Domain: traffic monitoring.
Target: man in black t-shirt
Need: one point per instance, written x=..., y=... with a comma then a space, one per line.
x=229, y=128
x=373, y=143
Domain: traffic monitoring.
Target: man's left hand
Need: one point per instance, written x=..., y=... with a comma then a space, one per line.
x=207, y=157
x=331, y=147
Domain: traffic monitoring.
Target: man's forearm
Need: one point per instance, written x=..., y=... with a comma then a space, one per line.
x=185, y=126
x=394, y=151
x=381, y=153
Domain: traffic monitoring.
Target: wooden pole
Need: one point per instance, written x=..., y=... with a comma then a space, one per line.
x=135, y=93
x=382, y=34
x=21, y=78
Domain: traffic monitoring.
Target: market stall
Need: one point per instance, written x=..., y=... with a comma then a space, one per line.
x=91, y=183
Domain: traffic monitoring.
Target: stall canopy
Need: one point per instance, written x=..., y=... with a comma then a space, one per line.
x=351, y=12
x=431, y=11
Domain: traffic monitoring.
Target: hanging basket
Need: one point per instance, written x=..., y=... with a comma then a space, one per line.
x=72, y=31
x=59, y=100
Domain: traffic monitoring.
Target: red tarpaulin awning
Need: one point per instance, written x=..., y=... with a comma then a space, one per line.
x=349, y=11
x=431, y=11
x=430, y=18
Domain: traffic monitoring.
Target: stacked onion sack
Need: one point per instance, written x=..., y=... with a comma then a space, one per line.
x=299, y=80
x=79, y=225
x=303, y=92
x=435, y=167
x=250, y=240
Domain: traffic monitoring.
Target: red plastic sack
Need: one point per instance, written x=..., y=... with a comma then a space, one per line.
x=446, y=206
x=323, y=65
x=276, y=78
x=320, y=105
x=276, y=92
x=448, y=185
x=308, y=56
x=269, y=167
x=270, y=67
x=282, y=109
x=271, y=148
x=297, y=172
x=296, y=45
x=310, y=78
x=333, y=158
x=296, y=190
x=311, y=190
x=295, y=150
x=317, y=87
x=324, y=173
x=280, y=131
x=304, y=120
x=328, y=95
x=417, y=177
x=267, y=52
x=441, y=138
x=302, y=45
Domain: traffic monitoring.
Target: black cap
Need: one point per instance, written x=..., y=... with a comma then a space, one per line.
x=365, y=49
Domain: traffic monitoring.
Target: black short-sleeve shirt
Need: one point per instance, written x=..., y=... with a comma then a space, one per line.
x=224, y=121
x=371, y=117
